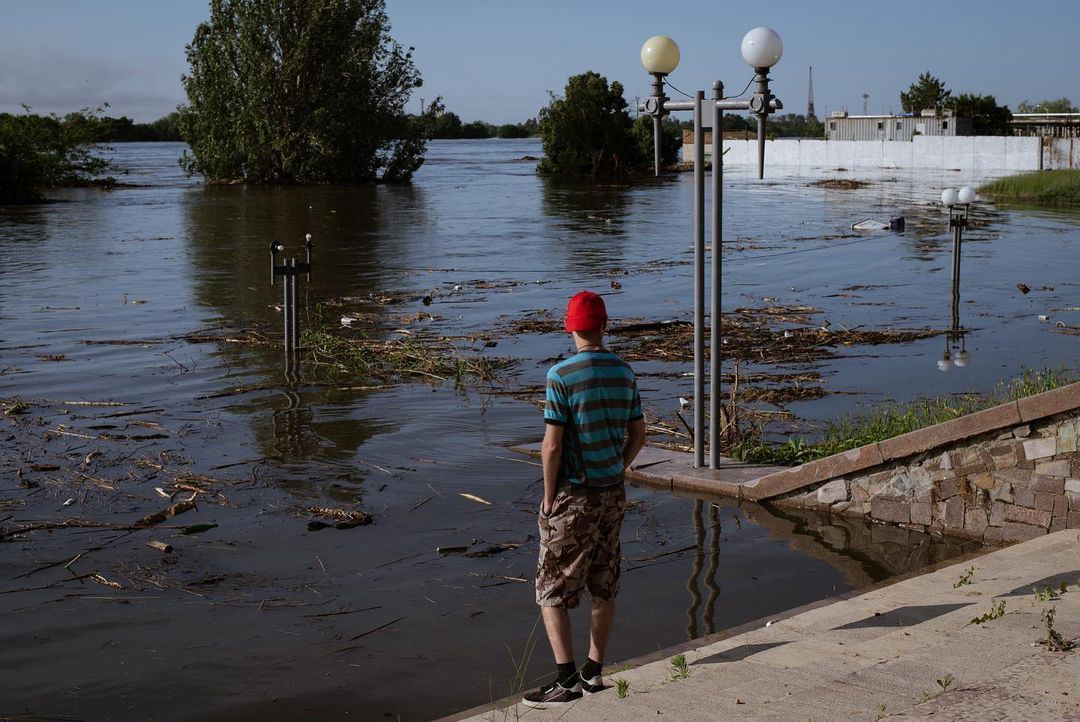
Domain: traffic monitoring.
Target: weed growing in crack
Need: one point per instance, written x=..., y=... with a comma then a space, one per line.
x=1054, y=641
x=679, y=667
x=947, y=681
x=997, y=609
x=965, y=578
x=622, y=688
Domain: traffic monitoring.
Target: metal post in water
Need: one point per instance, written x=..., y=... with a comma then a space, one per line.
x=699, y=283
x=286, y=312
x=294, y=325
x=717, y=258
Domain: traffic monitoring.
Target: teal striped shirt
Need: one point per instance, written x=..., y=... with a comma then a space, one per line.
x=594, y=395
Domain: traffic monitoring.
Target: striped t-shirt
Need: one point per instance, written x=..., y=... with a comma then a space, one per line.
x=594, y=395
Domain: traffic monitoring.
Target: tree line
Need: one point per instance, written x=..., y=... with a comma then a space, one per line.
x=315, y=92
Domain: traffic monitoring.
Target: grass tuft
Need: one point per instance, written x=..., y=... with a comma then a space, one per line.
x=894, y=419
x=1048, y=187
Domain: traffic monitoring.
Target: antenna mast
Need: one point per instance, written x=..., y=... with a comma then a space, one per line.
x=810, y=96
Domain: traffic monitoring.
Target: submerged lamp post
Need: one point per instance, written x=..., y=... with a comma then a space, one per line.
x=291, y=270
x=761, y=49
x=959, y=204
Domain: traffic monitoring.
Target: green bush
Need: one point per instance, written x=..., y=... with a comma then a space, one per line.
x=39, y=152
x=670, y=140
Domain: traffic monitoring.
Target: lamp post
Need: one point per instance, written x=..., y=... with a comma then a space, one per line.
x=959, y=204
x=761, y=49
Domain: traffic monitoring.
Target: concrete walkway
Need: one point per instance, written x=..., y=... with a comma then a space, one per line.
x=673, y=470
x=877, y=654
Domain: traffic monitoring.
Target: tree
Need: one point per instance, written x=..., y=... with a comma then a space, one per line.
x=300, y=92
x=587, y=131
x=987, y=117
x=927, y=92
x=513, y=130
x=38, y=152
x=792, y=125
x=670, y=139
x=1061, y=105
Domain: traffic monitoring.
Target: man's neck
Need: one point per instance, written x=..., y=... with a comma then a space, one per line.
x=590, y=347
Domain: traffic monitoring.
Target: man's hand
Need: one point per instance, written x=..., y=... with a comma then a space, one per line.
x=551, y=455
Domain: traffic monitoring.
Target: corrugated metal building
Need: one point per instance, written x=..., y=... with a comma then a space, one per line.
x=841, y=126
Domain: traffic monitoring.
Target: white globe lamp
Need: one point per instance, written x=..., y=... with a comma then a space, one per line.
x=949, y=197
x=660, y=55
x=966, y=195
x=762, y=48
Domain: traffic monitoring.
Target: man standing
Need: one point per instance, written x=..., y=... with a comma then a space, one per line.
x=594, y=429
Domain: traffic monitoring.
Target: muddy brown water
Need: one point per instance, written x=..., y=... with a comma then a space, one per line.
x=261, y=618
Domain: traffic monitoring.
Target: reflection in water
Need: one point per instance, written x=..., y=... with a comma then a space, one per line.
x=863, y=552
x=695, y=572
x=710, y=574
x=293, y=437
x=593, y=217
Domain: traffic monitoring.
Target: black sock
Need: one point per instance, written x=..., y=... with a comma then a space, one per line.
x=591, y=668
x=566, y=671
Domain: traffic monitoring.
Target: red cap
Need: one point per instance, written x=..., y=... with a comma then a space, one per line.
x=585, y=312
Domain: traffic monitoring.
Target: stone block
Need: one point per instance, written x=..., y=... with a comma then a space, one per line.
x=1058, y=523
x=831, y=467
x=1024, y=497
x=984, y=480
x=900, y=486
x=1045, y=501
x=970, y=455
x=945, y=462
x=1059, y=467
x=1022, y=432
x=859, y=492
x=922, y=512
x=1003, y=492
x=923, y=493
x=888, y=510
x=1026, y=465
x=1021, y=532
x=997, y=513
x=1066, y=438
x=1003, y=456
x=947, y=488
x=1047, y=484
x=923, y=440
x=975, y=520
x=833, y=492
x=1074, y=520
x=1040, y=448
x=1074, y=500
x=1049, y=403
x=954, y=513
x=1035, y=517
x=1072, y=485
x=1016, y=477
x=942, y=475
x=840, y=507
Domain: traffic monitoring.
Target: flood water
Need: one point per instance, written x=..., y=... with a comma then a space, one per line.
x=260, y=618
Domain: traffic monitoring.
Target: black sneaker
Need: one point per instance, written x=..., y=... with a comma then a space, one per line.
x=554, y=695
x=592, y=686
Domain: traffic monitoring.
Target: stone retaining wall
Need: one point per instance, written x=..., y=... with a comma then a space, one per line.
x=1004, y=485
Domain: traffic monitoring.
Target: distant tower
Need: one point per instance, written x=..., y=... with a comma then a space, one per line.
x=810, y=96
x=865, y=103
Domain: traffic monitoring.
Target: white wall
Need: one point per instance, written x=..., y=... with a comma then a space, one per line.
x=979, y=155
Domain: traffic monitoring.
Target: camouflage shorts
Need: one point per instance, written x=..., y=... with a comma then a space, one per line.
x=579, y=546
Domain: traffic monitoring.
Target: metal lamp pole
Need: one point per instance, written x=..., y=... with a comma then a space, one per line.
x=959, y=204
x=761, y=49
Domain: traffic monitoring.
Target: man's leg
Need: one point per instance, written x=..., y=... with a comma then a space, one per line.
x=557, y=624
x=601, y=619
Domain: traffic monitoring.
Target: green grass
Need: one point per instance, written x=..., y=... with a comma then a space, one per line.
x=894, y=419
x=680, y=669
x=1048, y=187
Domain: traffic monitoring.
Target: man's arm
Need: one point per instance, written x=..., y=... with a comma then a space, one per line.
x=635, y=439
x=551, y=455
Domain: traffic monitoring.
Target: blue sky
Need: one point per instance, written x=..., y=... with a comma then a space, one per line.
x=496, y=59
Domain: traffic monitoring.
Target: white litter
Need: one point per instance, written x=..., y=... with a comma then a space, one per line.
x=869, y=225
